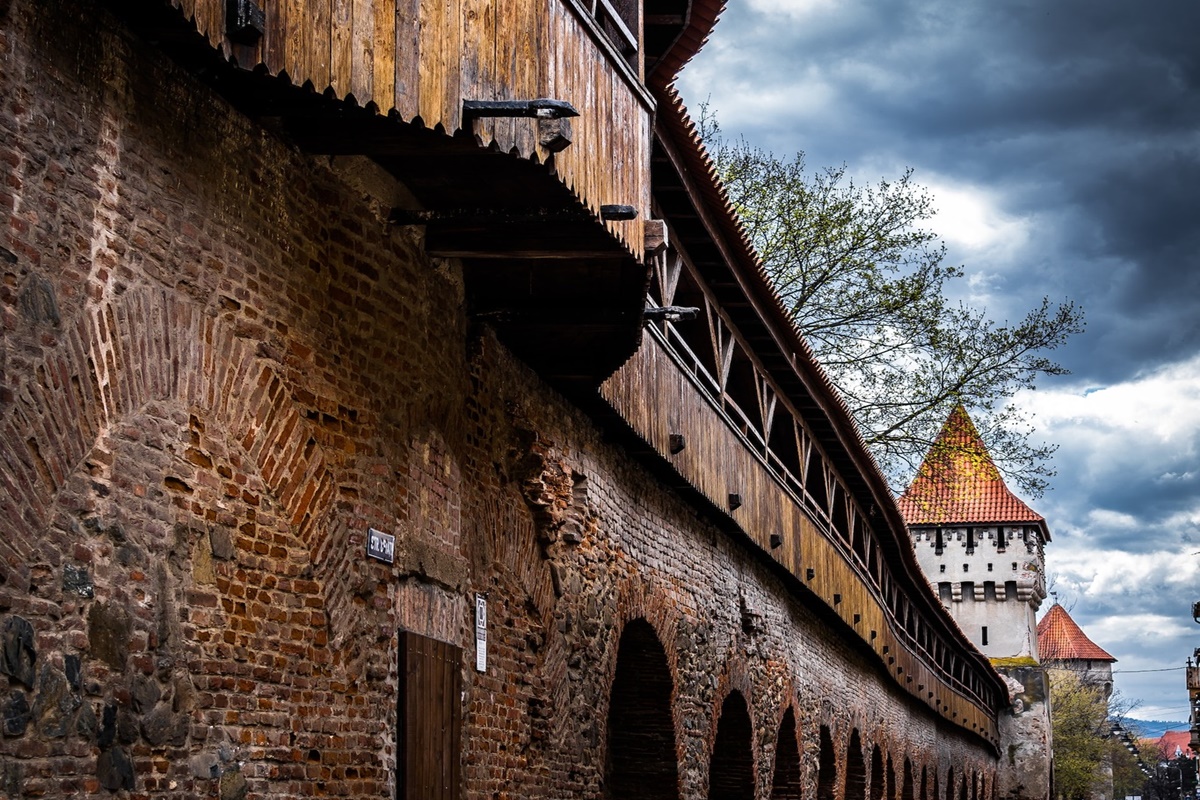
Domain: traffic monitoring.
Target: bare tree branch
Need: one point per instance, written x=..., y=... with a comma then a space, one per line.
x=866, y=282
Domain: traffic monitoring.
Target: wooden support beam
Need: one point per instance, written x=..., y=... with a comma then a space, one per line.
x=520, y=239
x=554, y=134
x=656, y=236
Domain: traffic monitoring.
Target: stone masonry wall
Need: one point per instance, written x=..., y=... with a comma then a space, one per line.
x=220, y=365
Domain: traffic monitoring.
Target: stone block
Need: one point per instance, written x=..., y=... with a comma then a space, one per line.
x=108, y=635
x=204, y=765
x=17, y=653
x=86, y=723
x=145, y=693
x=78, y=581
x=233, y=784
x=114, y=769
x=222, y=543
x=55, y=704
x=15, y=713
x=38, y=303
x=161, y=726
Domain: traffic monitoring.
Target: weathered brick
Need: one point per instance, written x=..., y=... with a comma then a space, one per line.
x=369, y=406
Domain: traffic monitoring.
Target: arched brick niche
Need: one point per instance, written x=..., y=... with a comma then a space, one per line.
x=907, y=789
x=731, y=770
x=641, y=758
x=877, y=780
x=826, y=767
x=785, y=783
x=856, y=772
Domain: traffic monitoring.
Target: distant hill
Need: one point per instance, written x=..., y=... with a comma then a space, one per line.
x=1153, y=728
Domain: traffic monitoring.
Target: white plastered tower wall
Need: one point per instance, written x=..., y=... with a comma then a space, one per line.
x=992, y=580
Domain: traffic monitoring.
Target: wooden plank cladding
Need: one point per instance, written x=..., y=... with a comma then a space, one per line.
x=660, y=396
x=418, y=60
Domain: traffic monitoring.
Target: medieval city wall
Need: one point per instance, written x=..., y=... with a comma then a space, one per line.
x=220, y=367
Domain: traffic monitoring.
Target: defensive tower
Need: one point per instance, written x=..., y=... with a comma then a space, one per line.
x=1064, y=645
x=1066, y=648
x=982, y=550
x=979, y=545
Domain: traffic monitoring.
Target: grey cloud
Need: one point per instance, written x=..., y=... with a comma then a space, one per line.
x=1082, y=119
x=1084, y=114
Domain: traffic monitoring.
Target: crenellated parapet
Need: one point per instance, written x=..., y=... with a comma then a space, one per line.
x=1001, y=563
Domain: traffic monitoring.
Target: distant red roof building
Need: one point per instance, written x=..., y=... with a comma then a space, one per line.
x=959, y=484
x=1172, y=743
x=1060, y=639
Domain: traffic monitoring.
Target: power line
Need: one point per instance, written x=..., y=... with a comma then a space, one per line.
x=1131, y=671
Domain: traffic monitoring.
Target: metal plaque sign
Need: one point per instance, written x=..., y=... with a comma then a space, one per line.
x=480, y=633
x=381, y=546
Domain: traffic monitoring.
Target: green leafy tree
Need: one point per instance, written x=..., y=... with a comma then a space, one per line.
x=1079, y=727
x=1128, y=778
x=866, y=284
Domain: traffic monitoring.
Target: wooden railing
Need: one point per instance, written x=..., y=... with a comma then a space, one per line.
x=704, y=400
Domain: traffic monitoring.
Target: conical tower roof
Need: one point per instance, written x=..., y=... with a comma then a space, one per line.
x=1060, y=639
x=958, y=484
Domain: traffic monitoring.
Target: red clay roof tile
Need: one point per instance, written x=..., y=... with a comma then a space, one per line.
x=1060, y=639
x=959, y=484
x=1171, y=742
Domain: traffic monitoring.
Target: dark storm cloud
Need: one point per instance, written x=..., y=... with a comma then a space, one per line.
x=1077, y=124
x=1084, y=115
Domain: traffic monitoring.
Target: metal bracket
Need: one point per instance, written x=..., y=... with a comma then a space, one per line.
x=670, y=313
x=245, y=21
x=499, y=216
x=614, y=213
x=541, y=108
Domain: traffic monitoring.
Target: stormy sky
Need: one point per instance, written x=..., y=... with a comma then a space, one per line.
x=1061, y=141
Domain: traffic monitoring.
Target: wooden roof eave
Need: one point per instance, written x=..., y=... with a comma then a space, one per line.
x=842, y=441
x=572, y=234
x=701, y=18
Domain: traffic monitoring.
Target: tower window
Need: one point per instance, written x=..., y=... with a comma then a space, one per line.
x=989, y=567
x=941, y=567
x=985, y=641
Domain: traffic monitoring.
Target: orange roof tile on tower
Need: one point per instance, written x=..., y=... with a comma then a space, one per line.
x=1060, y=639
x=959, y=484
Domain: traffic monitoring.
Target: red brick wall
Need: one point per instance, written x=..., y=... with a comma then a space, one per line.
x=220, y=365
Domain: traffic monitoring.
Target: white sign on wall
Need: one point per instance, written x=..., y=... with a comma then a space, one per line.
x=480, y=633
x=381, y=546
